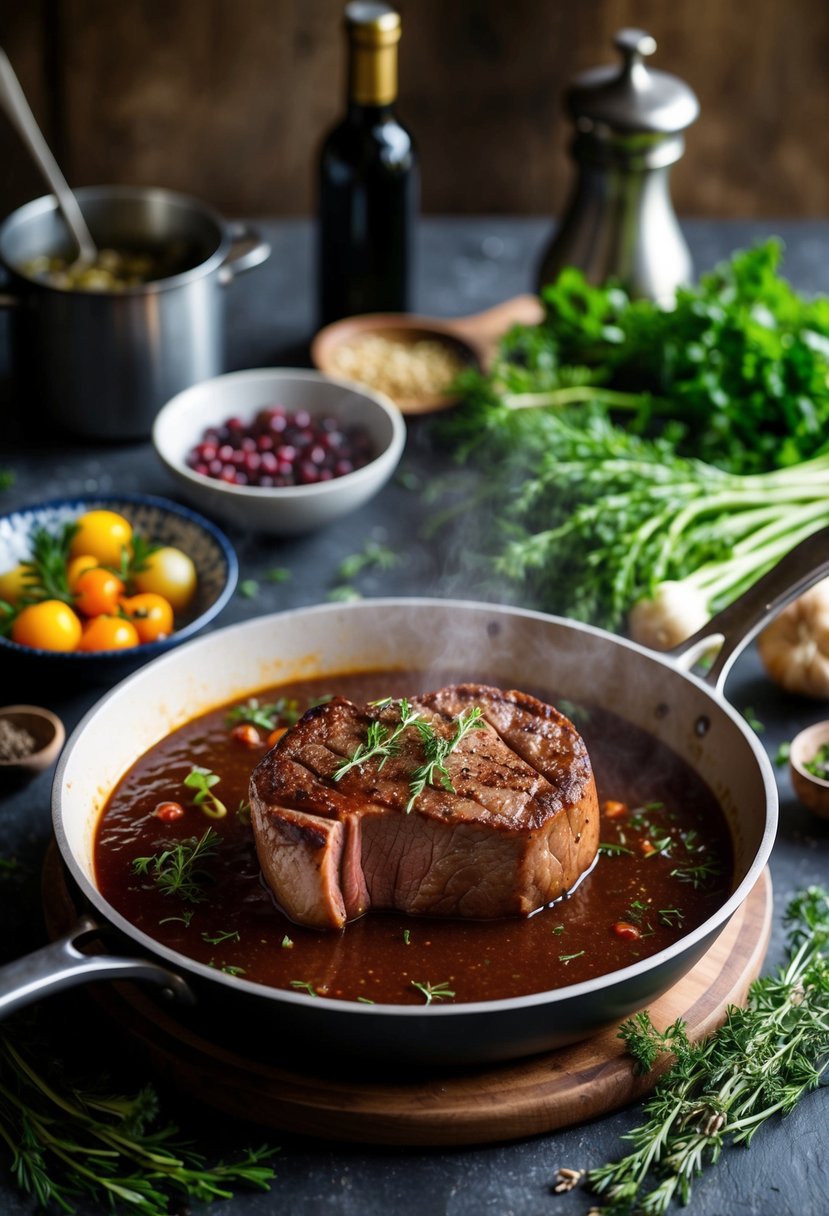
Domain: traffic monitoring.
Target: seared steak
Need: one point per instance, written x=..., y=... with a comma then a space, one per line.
x=516, y=830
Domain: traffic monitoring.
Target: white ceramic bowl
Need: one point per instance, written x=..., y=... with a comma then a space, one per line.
x=284, y=510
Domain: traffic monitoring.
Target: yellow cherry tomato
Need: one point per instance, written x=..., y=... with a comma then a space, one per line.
x=108, y=633
x=170, y=573
x=49, y=625
x=104, y=534
x=97, y=591
x=14, y=584
x=151, y=615
x=76, y=567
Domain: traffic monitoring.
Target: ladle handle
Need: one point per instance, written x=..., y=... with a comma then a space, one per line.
x=62, y=965
x=743, y=619
x=19, y=112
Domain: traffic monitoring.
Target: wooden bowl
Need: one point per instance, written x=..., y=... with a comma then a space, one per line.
x=812, y=791
x=44, y=727
x=472, y=340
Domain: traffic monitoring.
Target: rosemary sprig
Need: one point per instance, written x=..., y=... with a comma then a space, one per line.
x=380, y=740
x=67, y=1141
x=721, y=1090
x=437, y=750
x=178, y=870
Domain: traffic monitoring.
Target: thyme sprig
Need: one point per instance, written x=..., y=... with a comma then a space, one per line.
x=178, y=870
x=437, y=749
x=721, y=1090
x=381, y=740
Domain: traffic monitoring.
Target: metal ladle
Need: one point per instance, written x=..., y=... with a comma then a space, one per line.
x=14, y=102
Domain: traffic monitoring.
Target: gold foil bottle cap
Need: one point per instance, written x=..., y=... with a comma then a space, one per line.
x=373, y=31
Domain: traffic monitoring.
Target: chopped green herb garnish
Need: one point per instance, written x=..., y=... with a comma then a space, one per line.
x=226, y=935
x=278, y=574
x=284, y=711
x=229, y=969
x=407, y=937
x=304, y=986
x=364, y=1000
x=184, y=919
x=752, y=719
x=671, y=917
x=613, y=850
x=287, y=943
x=568, y=958
x=202, y=781
x=699, y=875
x=248, y=588
x=558, y=929
x=433, y=992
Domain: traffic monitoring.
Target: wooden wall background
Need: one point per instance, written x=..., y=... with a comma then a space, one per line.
x=227, y=99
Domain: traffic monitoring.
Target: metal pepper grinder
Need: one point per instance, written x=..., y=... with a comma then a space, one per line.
x=620, y=222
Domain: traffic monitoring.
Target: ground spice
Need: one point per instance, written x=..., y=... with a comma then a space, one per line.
x=15, y=741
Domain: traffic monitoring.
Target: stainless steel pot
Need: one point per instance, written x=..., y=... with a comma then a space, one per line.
x=652, y=691
x=102, y=363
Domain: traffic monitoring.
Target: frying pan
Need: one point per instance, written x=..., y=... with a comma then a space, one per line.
x=657, y=693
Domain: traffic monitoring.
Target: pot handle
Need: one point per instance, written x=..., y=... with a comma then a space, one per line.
x=260, y=251
x=738, y=623
x=62, y=965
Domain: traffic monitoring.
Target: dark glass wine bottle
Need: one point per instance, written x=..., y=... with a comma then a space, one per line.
x=368, y=190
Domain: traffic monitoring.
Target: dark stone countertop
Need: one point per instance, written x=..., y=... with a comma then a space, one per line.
x=465, y=265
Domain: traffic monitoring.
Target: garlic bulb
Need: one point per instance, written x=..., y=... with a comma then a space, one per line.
x=794, y=648
x=676, y=611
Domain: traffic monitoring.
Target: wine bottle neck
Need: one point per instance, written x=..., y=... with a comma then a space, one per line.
x=373, y=35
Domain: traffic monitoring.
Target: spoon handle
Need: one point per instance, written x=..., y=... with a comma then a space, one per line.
x=14, y=102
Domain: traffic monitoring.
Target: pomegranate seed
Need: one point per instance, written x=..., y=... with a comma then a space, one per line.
x=280, y=448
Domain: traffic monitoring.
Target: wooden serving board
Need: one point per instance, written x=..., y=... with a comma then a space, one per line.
x=494, y=1103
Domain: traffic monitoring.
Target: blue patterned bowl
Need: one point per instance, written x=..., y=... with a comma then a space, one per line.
x=157, y=520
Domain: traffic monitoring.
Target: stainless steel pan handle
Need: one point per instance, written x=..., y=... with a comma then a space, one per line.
x=743, y=619
x=62, y=964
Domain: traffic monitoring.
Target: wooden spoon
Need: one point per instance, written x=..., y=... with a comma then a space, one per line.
x=473, y=339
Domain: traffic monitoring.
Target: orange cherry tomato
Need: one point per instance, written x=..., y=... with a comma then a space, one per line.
x=104, y=534
x=627, y=931
x=169, y=812
x=97, y=591
x=108, y=633
x=246, y=734
x=151, y=615
x=49, y=625
x=15, y=583
x=77, y=566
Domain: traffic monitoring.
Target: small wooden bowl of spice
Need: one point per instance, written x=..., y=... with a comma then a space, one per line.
x=809, y=767
x=30, y=739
